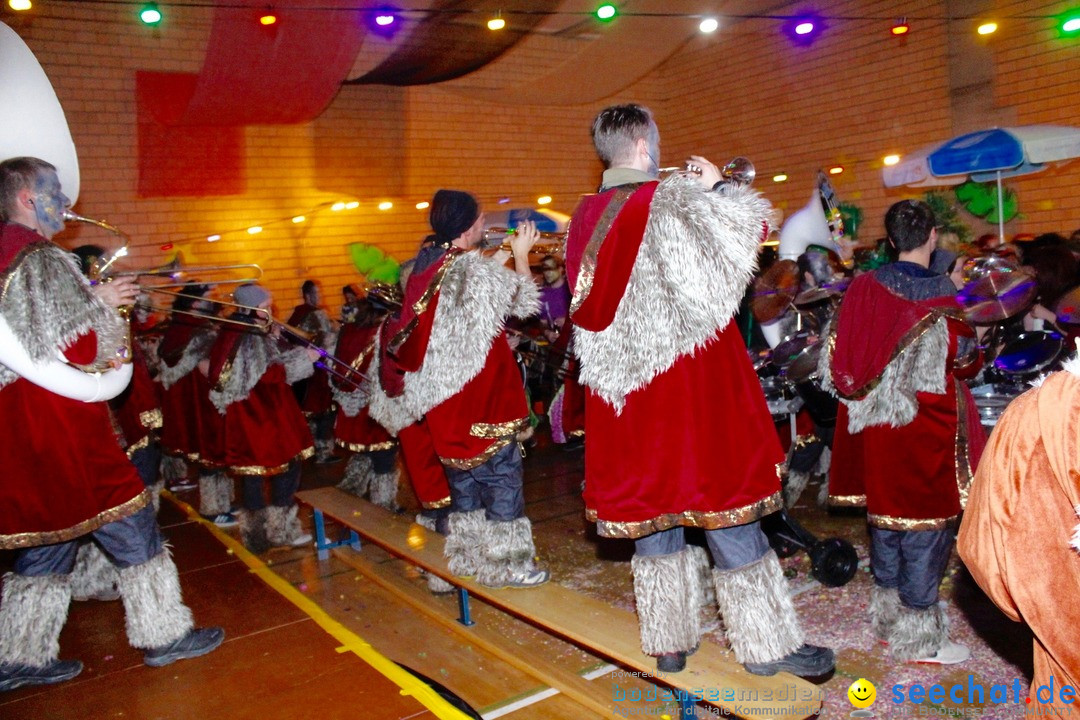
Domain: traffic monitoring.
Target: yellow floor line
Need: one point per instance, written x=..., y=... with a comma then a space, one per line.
x=351, y=642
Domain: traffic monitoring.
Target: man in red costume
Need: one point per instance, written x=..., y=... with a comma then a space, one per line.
x=264, y=433
x=446, y=360
x=907, y=432
x=314, y=393
x=66, y=476
x=679, y=433
x=190, y=423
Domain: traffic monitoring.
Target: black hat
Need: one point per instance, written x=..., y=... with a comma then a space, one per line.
x=452, y=213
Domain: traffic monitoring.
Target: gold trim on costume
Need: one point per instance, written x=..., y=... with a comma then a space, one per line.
x=474, y=462
x=906, y=341
x=223, y=376
x=587, y=269
x=421, y=304
x=51, y=537
x=709, y=520
x=963, y=458
x=374, y=447
x=575, y=434
x=136, y=447
x=445, y=502
x=264, y=471
x=151, y=418
x=802, y=441
x=847, y=500
x=498, y=430
x=888, y=522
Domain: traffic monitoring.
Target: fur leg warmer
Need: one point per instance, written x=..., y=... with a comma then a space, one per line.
x=32, y=613
x=357, y=475
x=794, y=484
x=668, y=596
x=464, y=548
x=283, y=526
x=435, y=584
x=918, y=633
x=154, y=611
x=215, y=494
x=757, y=611
x=508, y=552
x=173, y=468
x=253, y=530
x=155, y=495
x=94, y=576
x=384, y=490
x=884, y=610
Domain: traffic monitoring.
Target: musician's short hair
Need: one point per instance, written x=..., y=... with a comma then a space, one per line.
x=308, y=287
x=908, y=224
x=617, y=129
x=19, y=173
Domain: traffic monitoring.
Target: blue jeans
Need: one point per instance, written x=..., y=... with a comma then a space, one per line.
x=127, y=542
x=282, y=488
x=494, y=486
x=912, y=561
x=731, y=547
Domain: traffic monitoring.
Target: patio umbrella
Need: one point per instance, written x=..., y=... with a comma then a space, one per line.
x=546, y=220
x=987, y=155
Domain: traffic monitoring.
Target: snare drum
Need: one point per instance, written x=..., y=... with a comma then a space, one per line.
x=991, y=401
x=1030, y=352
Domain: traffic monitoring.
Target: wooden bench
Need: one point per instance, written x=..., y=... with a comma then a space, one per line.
x=711, y=676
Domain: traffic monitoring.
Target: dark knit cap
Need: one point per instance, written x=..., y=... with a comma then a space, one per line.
x=452, y=213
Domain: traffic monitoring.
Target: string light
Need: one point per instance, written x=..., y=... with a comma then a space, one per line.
x=987, y=28
x=497, y=22
x=338, y=206
x=385, y=205
x=267, y=19
x=352, y=205
x=424, y=205
x=543, y=200
x=891, y=160
x=606, y=12
x=19, y=5
x=836, y=169
x=254, y=230
x=1070, y=25
x=213, y=238
x=779, y=177
x=709, y=25
x=299, y=219
x=150, y=14
x=901, y=27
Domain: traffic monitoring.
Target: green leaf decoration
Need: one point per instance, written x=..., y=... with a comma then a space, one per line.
x=947, y=214
x=388, y=271
x=980, y=199
x=852, y=216
x=365, y=257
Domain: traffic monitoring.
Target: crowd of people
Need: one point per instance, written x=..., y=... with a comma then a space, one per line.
x=640, y=321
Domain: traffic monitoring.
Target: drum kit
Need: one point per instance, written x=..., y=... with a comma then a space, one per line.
x=996, y=293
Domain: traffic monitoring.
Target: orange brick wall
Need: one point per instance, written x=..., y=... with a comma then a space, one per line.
x=852, y=97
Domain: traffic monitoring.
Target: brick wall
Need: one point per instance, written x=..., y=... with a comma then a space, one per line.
x=854, y=96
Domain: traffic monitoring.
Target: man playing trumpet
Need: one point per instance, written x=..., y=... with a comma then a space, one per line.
x=679, y=433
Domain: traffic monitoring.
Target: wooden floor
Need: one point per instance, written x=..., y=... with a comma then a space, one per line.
x=309, y=638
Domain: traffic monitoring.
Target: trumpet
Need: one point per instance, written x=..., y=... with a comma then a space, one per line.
x=555, y=246
x=739, y=171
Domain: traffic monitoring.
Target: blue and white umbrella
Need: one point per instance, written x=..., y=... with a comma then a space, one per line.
x=987, y=155
x=546, y=220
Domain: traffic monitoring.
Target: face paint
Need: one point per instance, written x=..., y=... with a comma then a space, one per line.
x=49, y=204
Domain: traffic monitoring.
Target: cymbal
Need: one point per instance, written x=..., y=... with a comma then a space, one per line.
x=1068, y=307
x=997, y=296
x=774, y=290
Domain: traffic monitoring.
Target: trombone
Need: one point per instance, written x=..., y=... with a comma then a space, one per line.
x=555, y=245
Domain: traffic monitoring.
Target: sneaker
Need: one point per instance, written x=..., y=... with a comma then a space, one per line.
x=301, y=540
x=948, y=654
x=528, y=579
x=225, y=519
x=198, y=641
x=15, y=675
x=807, y=661
x=671, y=662
x=183, y=485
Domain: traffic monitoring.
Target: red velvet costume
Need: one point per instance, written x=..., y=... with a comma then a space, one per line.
x=913, y=475
x=190, y=423
x=317, y=396
x=694, y=445
x=264, y=430
x=64, y=473
x=137, y=410
x=359, y=433
x=484, y=415
x=422, y=463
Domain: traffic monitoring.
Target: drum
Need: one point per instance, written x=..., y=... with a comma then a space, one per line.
x=802, y=373
x=791, y=346
x=779, y=397
x=1029, y=352
x=991, y=401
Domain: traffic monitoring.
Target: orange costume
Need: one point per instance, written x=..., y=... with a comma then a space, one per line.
x=1020, y=538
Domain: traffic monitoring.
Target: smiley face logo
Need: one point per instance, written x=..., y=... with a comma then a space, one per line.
x=862, y=693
